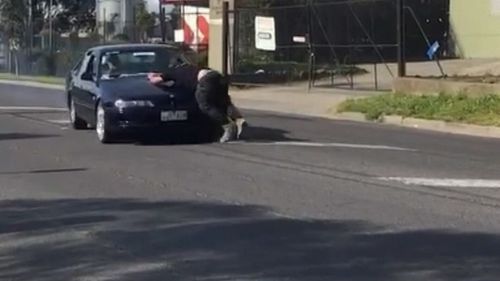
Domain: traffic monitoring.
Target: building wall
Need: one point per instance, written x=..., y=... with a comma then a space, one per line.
x=475, y=28
x=215, y=39
x=123, y=9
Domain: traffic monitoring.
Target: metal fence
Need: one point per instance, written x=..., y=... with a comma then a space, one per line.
x=328, y=43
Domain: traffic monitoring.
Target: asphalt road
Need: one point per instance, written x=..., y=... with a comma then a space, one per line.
x=299, y=199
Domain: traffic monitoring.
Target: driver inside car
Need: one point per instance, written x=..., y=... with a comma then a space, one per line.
x=111, y=66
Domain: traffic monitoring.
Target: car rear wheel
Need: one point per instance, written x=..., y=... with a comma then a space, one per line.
x=76, y=122
x=102, y=128
x=209, y=132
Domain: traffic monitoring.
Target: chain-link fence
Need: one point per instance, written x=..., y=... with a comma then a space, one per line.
x=344, y=43
x=49, y=47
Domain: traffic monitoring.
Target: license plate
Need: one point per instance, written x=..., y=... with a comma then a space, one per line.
x=169, y=116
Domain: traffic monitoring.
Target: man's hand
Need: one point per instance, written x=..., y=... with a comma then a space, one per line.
x=155, y=78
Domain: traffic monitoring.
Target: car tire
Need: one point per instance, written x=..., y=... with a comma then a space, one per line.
x=102, y=127
x=209, y=132
x=76, y=122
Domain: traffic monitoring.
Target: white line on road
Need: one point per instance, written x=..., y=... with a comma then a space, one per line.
x=436, y=182
x=32, y=108
x=326, y=144
x=62, y=122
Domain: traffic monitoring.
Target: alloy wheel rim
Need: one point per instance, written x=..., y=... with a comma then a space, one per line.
x=100, y=123
x=72, y=112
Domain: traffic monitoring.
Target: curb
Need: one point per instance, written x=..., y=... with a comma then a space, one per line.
x=424, y=124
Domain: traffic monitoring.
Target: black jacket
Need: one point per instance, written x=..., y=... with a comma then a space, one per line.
x=213, y=98
x=211, y=91
x=185, y=76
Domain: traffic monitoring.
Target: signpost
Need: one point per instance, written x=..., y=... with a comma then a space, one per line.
x=400, y=27
x=432, y=54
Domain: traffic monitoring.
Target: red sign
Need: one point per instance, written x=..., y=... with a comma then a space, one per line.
x=204, y=28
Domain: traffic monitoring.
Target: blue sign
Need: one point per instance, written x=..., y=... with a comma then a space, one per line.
x=433, y=50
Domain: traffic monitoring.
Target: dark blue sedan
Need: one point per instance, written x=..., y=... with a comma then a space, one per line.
x=108, y=90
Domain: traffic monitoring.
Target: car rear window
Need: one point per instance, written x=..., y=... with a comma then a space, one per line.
x=129, y=62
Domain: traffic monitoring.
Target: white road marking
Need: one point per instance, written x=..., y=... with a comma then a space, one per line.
x=437, y=182
x=326, y=144
x=62, y=121
x=32, y=108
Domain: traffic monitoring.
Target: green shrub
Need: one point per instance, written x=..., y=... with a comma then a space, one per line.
x=293, y=70
x=483, y=110
x=43, y=63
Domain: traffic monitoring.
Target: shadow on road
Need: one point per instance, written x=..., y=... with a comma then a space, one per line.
x=265, y=134
x=251, y=134
x=136, y=240
x=48, y=171
x=19, y=136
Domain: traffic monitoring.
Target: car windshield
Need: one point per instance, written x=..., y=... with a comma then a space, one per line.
x=116, y=64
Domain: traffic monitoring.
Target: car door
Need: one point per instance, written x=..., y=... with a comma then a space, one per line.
x=87, y=90
x=75, y=86
x=72, y=79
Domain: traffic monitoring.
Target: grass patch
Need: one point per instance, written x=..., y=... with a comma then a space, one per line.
x=484, y=110
x=40, y=79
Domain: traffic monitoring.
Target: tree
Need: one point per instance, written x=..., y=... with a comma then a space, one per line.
x=110, y=27
x=144, y=20
x=68, y=15
x=13, y=22
x=76, y=15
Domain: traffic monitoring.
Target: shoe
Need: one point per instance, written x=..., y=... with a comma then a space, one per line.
x=230, y=131
x=241, y=124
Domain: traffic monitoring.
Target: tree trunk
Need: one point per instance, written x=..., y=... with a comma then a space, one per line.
x=16, y=61
x=9, y=61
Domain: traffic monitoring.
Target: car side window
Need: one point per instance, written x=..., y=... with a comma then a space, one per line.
x=78, y=67
x=90, y=67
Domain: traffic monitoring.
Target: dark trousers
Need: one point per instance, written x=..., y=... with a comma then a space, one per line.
x=212, y=95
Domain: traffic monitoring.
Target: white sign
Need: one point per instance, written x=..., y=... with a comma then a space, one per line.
x=265, y=34
x=179, y=35
x=299, y=39
x=495, y=7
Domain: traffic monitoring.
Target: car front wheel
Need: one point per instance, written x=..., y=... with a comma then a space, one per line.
x=102, y=128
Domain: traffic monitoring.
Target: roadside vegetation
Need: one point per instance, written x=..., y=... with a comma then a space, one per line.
x=482, y=110
x=40, y=79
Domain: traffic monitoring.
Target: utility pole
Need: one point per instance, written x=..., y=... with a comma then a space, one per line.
x=51, y=35
x=401, y=38
x=30, y=25
x=162, y=21
x=225, y=37
x=310, y=46
x=30, y=31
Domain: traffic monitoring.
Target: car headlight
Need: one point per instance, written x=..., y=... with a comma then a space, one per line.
x=121, y=104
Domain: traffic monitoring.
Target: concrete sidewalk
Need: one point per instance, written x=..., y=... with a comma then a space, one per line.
x=323, y=103
x=294, y=100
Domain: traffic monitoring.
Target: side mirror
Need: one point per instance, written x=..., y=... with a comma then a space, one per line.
x=87, y=76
